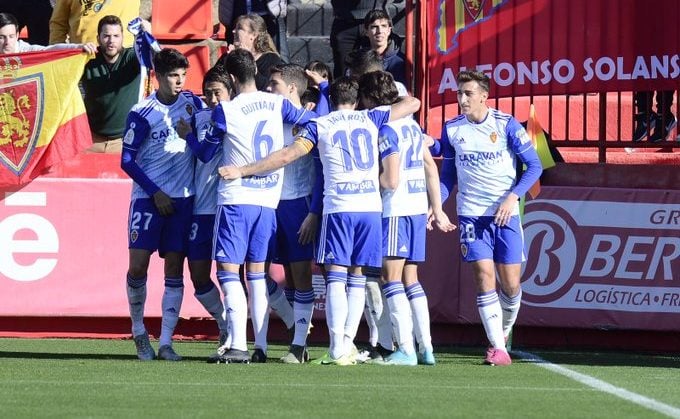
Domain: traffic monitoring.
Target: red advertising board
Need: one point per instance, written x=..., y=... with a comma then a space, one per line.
x=538, y=47
x=596, y=257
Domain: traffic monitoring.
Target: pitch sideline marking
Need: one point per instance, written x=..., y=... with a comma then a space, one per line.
x=603, y=386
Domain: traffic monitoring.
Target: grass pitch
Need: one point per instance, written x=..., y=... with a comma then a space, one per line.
x=102, y=378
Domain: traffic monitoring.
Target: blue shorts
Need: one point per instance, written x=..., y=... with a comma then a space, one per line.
x=243, y=233
x=289, y=217
x=351, y=239
x=481, y=238
x=201, y=237
x=404, y=237
x=149, y=230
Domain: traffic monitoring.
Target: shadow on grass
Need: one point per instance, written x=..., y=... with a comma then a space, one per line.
x=83, y=356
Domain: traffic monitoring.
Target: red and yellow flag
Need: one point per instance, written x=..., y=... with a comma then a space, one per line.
x=42, y=115
x=457, y=15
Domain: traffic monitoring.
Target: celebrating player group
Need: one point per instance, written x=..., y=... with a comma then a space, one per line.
x=337, y=174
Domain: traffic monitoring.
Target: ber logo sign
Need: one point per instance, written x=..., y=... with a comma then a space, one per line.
x=603, y=255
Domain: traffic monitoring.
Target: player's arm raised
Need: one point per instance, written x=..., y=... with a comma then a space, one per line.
x=405, y=107
x=275, y=160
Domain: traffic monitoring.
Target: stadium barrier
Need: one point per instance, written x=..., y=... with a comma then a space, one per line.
x=599, y=258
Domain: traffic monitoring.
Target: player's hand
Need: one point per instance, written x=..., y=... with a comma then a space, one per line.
x=428, y=140
x=308, y=229
x=315, y=77
x=183, y=128
x=89, y=47
x=230, y=172
x=163, y=203
x=441, y=220
x=505, y=210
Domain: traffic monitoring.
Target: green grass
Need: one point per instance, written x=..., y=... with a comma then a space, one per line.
x=102, y=378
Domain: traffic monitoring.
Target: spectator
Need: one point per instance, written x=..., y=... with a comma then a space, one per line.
x=378, y=28
x=321, y=69
x=33, y=14
x=11, y=44
x=661, y=122
x=111, y=83
x=76, y=20
x=250, y=33
x=346, y=32
x=272, y=12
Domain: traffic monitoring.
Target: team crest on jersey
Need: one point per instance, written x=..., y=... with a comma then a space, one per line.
x=134, y=235
x=295, y=130
x=463, y=249
x=493, y=137
x=189, y=109
x=21, y=113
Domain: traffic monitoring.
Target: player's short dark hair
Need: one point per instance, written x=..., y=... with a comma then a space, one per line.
x=217, y=74
x=240, y=64
x=292, y=74
x=344, y=91
x=311, y=95
x=8, y=19
x=376, y=14
x=321, y=68
x=471, y=75
x=379, y=87
x=108, y=20
x=364, y=61
x=169, y=59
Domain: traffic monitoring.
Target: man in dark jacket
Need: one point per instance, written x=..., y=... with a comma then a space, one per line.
x=378, y=28
x=346, y=31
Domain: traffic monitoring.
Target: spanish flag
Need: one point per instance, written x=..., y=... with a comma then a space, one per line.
x=42, y=115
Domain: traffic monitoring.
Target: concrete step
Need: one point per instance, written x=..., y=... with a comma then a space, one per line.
x=316, y=18
x=304, y=49
x=309, y=27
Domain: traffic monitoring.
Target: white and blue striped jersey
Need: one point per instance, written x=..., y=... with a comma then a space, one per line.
x=298, y=176
x=405, y=137
x=485, y=156
x=206, y=177
x=348, y=148
x=161, y=154
x=251, y=127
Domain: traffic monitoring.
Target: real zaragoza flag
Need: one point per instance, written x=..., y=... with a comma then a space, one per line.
x=42, y=115
x=458, y=15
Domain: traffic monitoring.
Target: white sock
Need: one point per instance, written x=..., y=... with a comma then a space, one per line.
x=210, y=299
x=373, y=309
x=279, y=303
x=356, y=301
x=385, y=329
x=421, y=316
x=510, y=306
x=136, y=294
x=372, y=322
x=259, y=308
x=336, y=311
x=236, y=307
x=303, y=307
x=492, y=317
x=170, y=306
x=400, y=313
x=290, y=295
